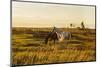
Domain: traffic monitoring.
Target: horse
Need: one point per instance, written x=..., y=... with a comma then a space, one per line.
x=57, y=34
x=64, y=35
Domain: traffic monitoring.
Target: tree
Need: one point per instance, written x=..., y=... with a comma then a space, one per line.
x=71, y=25
x=82, y=25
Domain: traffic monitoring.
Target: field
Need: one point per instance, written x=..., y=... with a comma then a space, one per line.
x=28, y=46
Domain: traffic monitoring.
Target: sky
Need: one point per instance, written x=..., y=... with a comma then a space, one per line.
x=27, y=14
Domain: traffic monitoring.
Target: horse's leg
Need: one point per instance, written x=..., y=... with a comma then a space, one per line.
x=49, y=41
x=67, y=41
x=54, y=41
x=46, y=40
x=70, y=37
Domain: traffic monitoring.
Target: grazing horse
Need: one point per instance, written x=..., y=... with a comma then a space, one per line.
x=51, y=36
x=57, y=34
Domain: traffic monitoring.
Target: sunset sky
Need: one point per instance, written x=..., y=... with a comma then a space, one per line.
x=26, y=14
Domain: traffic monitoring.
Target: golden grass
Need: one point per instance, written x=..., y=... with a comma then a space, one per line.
x=27, y=49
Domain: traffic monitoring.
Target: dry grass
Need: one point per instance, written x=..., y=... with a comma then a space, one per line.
x=30, y=49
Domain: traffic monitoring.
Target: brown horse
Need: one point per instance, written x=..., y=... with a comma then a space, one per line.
x=51, y=36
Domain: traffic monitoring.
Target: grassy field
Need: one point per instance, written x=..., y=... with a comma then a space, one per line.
x=28, y=46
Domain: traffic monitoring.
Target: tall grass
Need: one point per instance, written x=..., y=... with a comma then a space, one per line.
x=28, y=49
